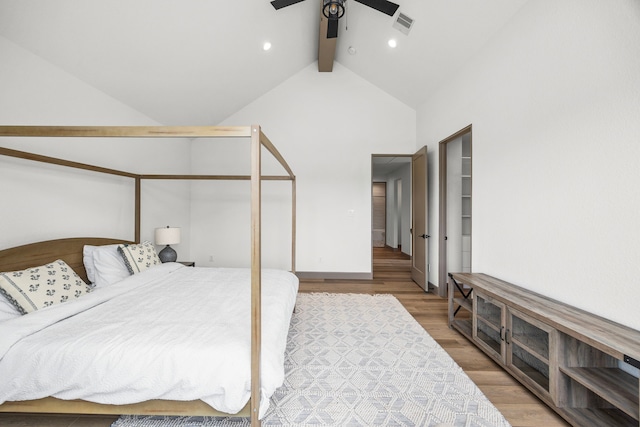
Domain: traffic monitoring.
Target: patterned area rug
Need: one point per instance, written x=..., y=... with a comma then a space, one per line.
x=360, y=360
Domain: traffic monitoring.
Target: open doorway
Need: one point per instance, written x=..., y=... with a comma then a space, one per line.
x=391, y=182
x=455, y=177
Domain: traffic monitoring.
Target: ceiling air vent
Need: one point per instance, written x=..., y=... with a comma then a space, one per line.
x=403, y=23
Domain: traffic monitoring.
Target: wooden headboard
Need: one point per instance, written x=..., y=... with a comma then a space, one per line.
x=68, y=250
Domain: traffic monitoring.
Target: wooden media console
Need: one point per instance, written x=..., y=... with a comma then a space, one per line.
x=583, y=366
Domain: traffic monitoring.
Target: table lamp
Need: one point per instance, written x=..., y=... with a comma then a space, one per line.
x=167, y=236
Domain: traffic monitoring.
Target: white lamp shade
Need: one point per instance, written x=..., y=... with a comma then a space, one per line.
x=167, y=236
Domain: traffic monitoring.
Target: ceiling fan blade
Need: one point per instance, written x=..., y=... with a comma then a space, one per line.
x=383, y=6
x=279, y=4
x=332, y=28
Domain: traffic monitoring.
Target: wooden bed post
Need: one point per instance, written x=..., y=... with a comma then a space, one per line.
x=293, y=225
x=136, y=231
x=256, y=267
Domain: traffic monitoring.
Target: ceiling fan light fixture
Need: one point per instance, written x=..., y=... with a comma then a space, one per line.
x=333, y=9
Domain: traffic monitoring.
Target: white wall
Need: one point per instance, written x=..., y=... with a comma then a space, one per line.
x=326, y=125
x=43, y=202
x=554, y=101
x=393, y=208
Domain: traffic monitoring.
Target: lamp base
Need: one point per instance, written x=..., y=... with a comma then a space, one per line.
x=168, y=254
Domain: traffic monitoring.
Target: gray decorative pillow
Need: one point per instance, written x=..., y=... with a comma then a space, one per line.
x=38, y=287
x=139, y=257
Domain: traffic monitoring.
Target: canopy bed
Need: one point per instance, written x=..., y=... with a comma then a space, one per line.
x=71, y=252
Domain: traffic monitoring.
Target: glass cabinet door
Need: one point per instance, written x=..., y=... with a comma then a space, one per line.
x=528, y=342
x=488, y=326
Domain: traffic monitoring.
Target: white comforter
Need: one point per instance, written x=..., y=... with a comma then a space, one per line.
x=171, y=332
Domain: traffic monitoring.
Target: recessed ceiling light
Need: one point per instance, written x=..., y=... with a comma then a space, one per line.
x=392, y=43
x=352, y=50
x=266, y=46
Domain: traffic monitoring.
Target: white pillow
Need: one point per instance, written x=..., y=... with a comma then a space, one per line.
x=139, y=257
x=42, y=286
x=7, y=310
x=88, y=259
x=109, y=266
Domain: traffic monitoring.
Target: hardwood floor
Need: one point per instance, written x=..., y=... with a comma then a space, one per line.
x=392, y=276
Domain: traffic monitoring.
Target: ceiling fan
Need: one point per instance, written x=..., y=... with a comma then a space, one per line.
x=332, y=11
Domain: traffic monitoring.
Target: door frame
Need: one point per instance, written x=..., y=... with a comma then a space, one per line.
x=442, y=211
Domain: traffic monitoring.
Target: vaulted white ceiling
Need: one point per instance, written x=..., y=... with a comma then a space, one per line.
x=196, y=62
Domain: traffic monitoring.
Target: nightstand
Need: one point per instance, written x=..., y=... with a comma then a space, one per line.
x=187, y=263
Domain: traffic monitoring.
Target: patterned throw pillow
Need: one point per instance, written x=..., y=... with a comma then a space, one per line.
x=139, y=257
x=38, y=287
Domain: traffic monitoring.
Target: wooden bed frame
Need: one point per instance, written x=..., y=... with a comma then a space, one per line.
x=70, y=250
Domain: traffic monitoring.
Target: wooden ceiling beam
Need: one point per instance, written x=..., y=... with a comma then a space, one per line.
x=326, y=47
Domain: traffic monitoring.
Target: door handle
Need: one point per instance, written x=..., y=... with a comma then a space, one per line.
x=425, y=236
